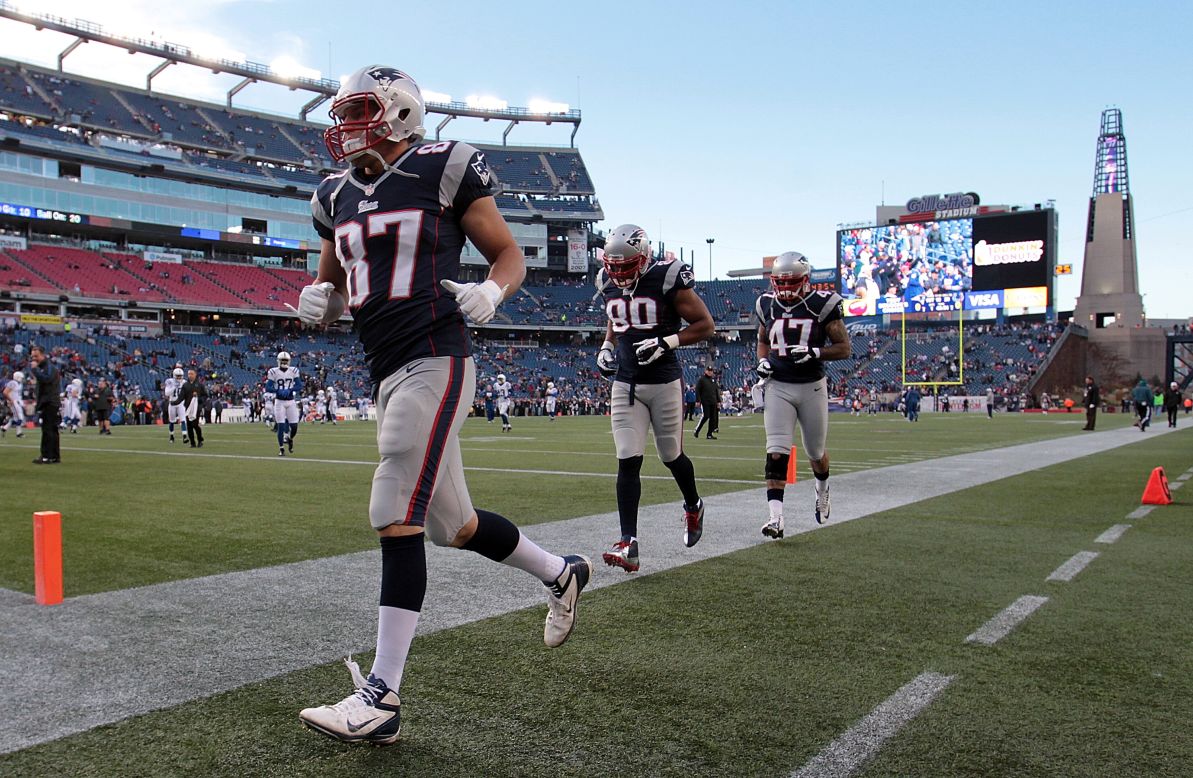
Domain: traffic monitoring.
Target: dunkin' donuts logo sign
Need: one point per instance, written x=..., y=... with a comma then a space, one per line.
x=1007, y=253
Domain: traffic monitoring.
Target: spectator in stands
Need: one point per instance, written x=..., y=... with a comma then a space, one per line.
x=1091, y=400
x=49, y=385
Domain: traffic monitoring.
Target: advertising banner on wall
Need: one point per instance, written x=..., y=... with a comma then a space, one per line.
x=13, y=242
x=577, y=251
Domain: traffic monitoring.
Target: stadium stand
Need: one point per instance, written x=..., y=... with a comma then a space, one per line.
x=19, y=94
x=85, y=273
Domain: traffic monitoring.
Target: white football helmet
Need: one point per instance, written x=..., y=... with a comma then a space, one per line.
x=550, y=384
x=77, y=382
x=283, y=359
x=375, y=104
x=791, y=277
x=178, y=373
x=501, y=378
x=18, y=376
x=627, y=253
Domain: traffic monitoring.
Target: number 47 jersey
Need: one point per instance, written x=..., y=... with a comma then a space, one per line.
x=397, y=235
x=790, y=328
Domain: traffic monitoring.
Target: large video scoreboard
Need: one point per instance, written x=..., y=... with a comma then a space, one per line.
x=998, y=260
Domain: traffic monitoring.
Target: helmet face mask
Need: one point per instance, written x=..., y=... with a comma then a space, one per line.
x=375, y=105
x=627, y=253
x=791, y=277
x=283, y=359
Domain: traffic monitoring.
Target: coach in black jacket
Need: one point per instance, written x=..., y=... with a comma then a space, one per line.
x=1091, y=401
x=48, y=405
x=709, y=395
x=193, y=395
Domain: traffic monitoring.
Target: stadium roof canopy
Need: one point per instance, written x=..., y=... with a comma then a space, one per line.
x=254, y=72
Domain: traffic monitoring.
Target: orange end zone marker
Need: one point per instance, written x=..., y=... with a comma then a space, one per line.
x=792, y=475
x=47, y=557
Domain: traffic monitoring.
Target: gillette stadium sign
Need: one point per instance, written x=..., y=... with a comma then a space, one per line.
x=948, y=206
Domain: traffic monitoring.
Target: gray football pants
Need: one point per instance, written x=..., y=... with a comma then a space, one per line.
x=656, y=406
x=420, y=480
x=789, y=404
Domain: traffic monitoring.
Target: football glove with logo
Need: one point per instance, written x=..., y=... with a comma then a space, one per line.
x=477, y=301
x=319, y=304
x=607, y=360
x=764, y=368
x=652, y=349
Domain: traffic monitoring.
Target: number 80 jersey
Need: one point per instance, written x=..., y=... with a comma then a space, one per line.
x=800, y=325
x=646, y=310
x=396, y=236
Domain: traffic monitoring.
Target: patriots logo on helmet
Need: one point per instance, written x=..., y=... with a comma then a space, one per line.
x=637, y=238
x=386, y=76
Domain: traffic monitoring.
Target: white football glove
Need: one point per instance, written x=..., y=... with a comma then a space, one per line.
x=607, y=360
x=477, y=301
x=652, y=349
x=319, y=304
x=801, y=354
x=764, y=368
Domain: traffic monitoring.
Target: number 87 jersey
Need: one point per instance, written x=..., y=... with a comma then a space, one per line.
x=397, y=235
x=792, y=330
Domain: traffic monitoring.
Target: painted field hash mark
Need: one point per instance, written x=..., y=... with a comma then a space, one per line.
x=1172, y=487
x=1007, y=619
x=1076, y=563
x=1113, y=534
x=1140, y=512
x=848, y=753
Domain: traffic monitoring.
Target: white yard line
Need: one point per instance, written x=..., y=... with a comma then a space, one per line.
x=1075, y=564
x=1140, y=512
x=1007, y=619
x=850, y=751
x=1113, y=534
x=1172, y=487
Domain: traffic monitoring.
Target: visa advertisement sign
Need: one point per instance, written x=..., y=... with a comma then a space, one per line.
x=975, y=301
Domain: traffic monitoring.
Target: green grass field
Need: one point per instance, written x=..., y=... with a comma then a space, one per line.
x=744, y=664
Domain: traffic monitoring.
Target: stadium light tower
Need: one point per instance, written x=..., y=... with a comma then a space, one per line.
x=709, y=241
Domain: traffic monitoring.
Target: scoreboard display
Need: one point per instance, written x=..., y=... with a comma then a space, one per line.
x=998, y=260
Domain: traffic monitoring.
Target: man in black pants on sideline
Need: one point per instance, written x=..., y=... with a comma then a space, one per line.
x=48, y=404
x=193, y=396
x=709, y=395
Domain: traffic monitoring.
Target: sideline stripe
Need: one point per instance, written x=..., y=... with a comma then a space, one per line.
x=373, y=463
x=847, y=754
x=1184, y=476
x=1172, y=487
x=1112, y=534
x=1069, y=570
x=1140, y=512
x=1001, y=625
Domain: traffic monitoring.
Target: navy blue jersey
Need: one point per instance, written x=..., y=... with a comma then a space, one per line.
x=646, y=310
x=803, y=324
x=396, y=236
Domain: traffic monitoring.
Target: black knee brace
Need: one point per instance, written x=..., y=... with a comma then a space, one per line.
x=776, y=467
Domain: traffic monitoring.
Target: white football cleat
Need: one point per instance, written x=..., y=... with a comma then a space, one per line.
x=822, y=505
x=562, y=597
x=773, y=528
x=372, y=713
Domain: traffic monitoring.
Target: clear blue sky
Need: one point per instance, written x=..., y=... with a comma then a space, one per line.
x=763, y=125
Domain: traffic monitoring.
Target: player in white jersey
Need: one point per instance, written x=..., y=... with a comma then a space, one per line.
x=70, y=409
x=16, y=406
x=172, y=393
x=321, y=406
x=267, y=400
x=285, y=383
x=333, y=404
x=502, y=389
x=552, y=396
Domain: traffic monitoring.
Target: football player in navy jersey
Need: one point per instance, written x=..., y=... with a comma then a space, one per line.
x=647, y=304
x=392, y=226
x=798, y=331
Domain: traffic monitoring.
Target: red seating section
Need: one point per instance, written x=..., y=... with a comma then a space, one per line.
x=80, y=273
